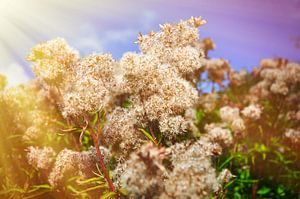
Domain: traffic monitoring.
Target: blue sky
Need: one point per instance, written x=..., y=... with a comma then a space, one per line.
x=244, y=31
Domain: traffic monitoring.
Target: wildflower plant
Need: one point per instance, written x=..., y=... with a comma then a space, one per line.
x=142, y=127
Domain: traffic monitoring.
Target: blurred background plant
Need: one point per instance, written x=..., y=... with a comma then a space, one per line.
x=241, y=128
x=264, y=158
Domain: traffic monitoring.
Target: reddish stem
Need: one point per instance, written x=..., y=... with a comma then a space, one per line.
x=109, y=181
x=154, y=138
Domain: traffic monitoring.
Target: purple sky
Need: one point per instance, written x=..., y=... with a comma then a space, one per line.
x=245, y=31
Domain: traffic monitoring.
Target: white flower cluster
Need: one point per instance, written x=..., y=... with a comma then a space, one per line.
x=232, y=117
x=41, y=158
x=193, y=174
x=209, y=101
x=219, y=135
x=53, y=59
x=173, y=125
x=67, y=163
x=72, y=163
x=27, y=108
x=252, y=111
x=294, y=115
x=217, y=70
x=225, y=176
x=80, y=84
x=142, y=174
x=293, y=135
x=120, y=130
x=237, y=78
x=277, y=76
x=229, y=114
x=159, y=82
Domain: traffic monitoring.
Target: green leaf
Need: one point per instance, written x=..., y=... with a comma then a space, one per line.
x=264, y=156
x=160, y=138
x=95, y=119
x=98, y=187
x=38, y=187
x=42, y=186
x=61, y=124
x=253, y=160
x=108, y=195
x=147, y=135
x=72, y=129
x=97, y=180
x=127, y=103
x=38, y=54
x=12, y=190
x=72, y=189
x=37, y=193
x=123, y=191
x=279, y=156
x=248, y=181
x=267, y=105
x=280, y=191
x=237, y=195
x=261, y=148
x=231, y=157
x=14, y=136
x=229, y=183
x=263, y=191
x=199, y=116
x=231, y=95
x=288, y=162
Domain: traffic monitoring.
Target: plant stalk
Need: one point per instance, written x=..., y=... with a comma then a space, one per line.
x=106, y=175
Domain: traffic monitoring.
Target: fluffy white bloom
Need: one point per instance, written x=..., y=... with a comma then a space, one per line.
x=253, y=111
x=224, y=177
x=217, y=69
x=53, y=59
x=186, y=60
x=279, y=87
x=209, y=101
x=293, y=135
x=229, y=114
x=193, y=174
x=173, y=125
x=41, y=158
x=238, y=125
x=120, y=130
x=220, y=135
x=71, y=163
x=237, y=78
x=142, y=175
x=277, y=76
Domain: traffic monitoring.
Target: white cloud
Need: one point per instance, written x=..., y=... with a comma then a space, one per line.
x=81, y=24
x=148, y=19
x=15, y=74
x=122, y=36
x=90, y=38
x=86, y=40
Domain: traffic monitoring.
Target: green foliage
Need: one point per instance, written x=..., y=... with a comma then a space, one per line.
x=199, y=116
x=127, y=103
x=3, y=82
x=264, y=165
x=149, y=136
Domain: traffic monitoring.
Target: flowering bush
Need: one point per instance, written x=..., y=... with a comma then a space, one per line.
x=142, y=127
